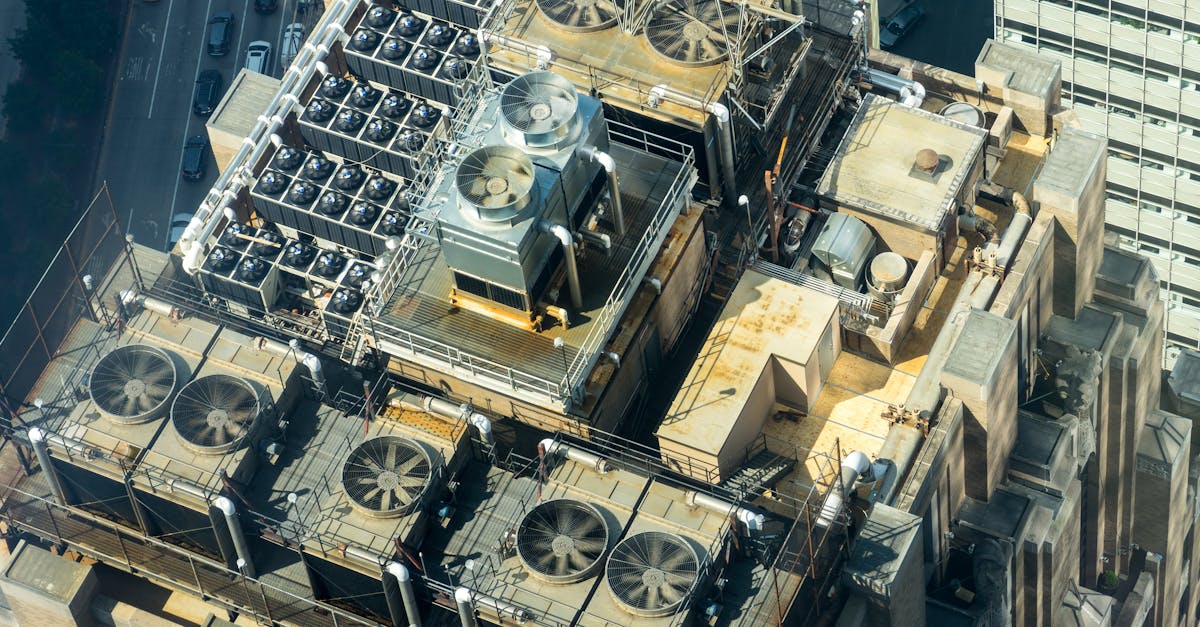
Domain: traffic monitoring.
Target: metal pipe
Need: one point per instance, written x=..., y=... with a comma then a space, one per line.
x=606, y=161
x=160, y=307
x=568, y=245
x=660, y=93
x=309, y=360
x=466, y=610
x=408, y=597
x=1016, y=230
x=187, y=487
x=982, y=298
x=900, y=446
x=591, y=460
x=600, y=239
x=853, y=466
x=447, y=409
x=655, y=283
x=502, y=609
x=37, y=438
x=235, y=531
x=752, y=519
x=912, y=95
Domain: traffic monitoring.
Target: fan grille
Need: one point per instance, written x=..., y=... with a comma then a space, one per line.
x=539, y=110
x=213, y=414
x=385, y=477
x=562, y=541
x=692, y=32
x=651, y=573
x=494, y=183
x=581, y=16
x=131, y=384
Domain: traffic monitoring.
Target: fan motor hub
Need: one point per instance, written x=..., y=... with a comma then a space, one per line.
x=695, y=31
x=496, y=185
x=388, y=480
x=540, y=111
x=135, y=388
x=218, y=418
x=562, y=545
x=654, y=578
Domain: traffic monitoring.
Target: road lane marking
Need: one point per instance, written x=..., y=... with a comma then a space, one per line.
x=161, y=49
x=187, y=125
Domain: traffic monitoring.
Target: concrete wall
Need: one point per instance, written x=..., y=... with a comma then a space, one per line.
x=886, y=566
x=1026, y=295
x=680, y=276
x=1161, y=525
x=44, y=589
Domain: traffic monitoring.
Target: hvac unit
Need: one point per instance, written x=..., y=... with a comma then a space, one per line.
x=268, y=244
x=318, y=169
x=343, y=304
x=349, y=179
x=328, y=268
x=388, y=476
x=562, y=541
x=294, y=264
x=213, y=414
x=328, y=213
x=317, y=115
x=357, y=275
x=581, y=16
x=287, y=159
x=652, y=573
x=257, y=281
x=692, y=32
x=413, y=53
x=359, y=228
x=394, y=108
x=363, y=97
x=132, y=384
x=392, y=223
x=216, y=270
x=378, y=189
x=267, y=194
x=235, y=236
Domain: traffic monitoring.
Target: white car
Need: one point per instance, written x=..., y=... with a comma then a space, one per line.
x=289, y=45
x=178, y=226
x=258, y=57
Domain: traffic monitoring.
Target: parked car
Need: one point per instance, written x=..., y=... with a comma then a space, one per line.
x=220, y=33
x=195, y=152
x=900, y=24
x=208, y=92
x=178, y=225
x=265, y=7
x=258, y=57
x=289, y=46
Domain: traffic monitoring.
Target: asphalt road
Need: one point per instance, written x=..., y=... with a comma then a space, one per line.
x=151, y=116
x=950, y=35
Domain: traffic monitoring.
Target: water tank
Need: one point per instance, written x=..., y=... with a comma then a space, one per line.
x=964, y=112
x=887, y=274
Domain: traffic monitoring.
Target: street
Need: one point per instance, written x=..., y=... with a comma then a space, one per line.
x=950, y=35
x=151, y=116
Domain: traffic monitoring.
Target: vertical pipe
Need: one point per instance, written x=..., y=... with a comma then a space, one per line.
x=610, y=167
x=568, y=246
x=466, y=610
x=725, y=127
x=235, y=532
x=37, y=437
x=408, y=597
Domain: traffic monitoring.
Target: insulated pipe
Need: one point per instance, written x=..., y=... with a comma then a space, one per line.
x=720, y=113
x=594, y=155
x=982, y=298
x=309, y=360
x=853, y=466
x=912, y=95
x=752, y=519
x=407, y=595
x=187, y=487
x=447, y=409
x=591, y=460
x=159, y=307
x=900, y=446
x=1016, y=230
x=466, y=611
x=37, y=438
x=568, y=245
x=600, y=239
x=502, y=609
x=254, y=146
x=235, y=531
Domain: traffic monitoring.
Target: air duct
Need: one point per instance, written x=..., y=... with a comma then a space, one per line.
x=466, y=610
x=235, y=531
x=591, y=153
x=910, y=92
x=720, y=113
x=551, y=447
x=568, y=245
x=37, y=438
x=449, y=410
x=853, y=466
x=309, y=360
x=1021, y=220
x=408, y=597
x=751, y=519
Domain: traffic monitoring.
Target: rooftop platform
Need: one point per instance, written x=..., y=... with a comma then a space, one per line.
x=419, y=323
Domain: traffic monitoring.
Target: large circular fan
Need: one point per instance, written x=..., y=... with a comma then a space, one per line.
x=494, y=183
x=581, y=16
x=131, y=384
x=213, y=414
x=562, y=541
x=692, y=32
x=651, y=573
x=539, y=110
x=386, y=476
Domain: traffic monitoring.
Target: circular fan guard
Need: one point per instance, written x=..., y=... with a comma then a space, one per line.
x=651, y=573
x=213, y=414
x=494, y=183
x=562, y=541
x=131, y=384
x=692, y=32
x=539, y=110
x=581, y=16
x=386, y=477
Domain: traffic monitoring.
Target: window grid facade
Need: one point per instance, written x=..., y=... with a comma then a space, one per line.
x=1132, y=69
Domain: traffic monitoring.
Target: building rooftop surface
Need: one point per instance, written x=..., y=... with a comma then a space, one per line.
x=1028, y=72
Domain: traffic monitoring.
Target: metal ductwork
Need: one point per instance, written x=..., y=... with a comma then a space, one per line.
x=466, y=609
x=406, y=611
x=550, y=447
x=235, y=532
x=449, y=410
x=752, y=519
x=594, y=155
x=37, y=438
x=568, y=247
x=309, y=360
x=854, y=465
x=910, y=92
x=720, y=113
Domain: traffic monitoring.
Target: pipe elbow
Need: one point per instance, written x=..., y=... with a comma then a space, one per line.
x=1020, y=205
x=37, y=436
x=857, y=460
x=557, y=230
x=484, y=426
x=193, y=257
x=313, y=363
x=463, y=596
x=399, y=571
x=225, y=505
x=720, y=112
x=657, y=95
x=603, y=158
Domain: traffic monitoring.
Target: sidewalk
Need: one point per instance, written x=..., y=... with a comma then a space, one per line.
x=12, y=18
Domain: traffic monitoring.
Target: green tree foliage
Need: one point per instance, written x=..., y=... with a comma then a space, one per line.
x=79, y=83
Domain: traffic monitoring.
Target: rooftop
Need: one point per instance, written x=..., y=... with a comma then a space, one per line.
x=1030, y=73
x=1074, y=158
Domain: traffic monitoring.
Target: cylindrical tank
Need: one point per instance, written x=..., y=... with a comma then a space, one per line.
x=964, y=112
x=888, y=272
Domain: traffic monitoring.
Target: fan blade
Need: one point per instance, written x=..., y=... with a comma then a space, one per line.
x=366, y=481
x=387, y=501
x=561, y=567
x=408, y=464
x=652, y=598
x=127, y=406
x=389, y=460
x=590, y=546
x=578, y=560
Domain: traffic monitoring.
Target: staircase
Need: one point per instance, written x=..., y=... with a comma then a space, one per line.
x=761, y=471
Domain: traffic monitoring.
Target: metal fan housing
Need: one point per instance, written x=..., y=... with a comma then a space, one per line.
x=132, y=384
x=694, y=33
x=581, y=16
x=562, y=541
x=387, y=477
x=495, y=184
x=214, y=414
x=539, y=111
x=651, y=574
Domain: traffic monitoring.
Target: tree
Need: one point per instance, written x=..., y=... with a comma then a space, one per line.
x=24, y=107
x=78, y=83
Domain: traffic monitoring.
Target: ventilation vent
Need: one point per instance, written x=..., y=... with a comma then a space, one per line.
x=439, y=36
x=318, y=169
x=272, y=182
x=562, y=541
x=252, y=270
x=651, y=573
x=581, y=16
x=394, y=49
x=213, y=414
x=393, y=223
x=319, y=111
x=425, y=116
x=302, y=194
x=346, y=301
x=357, y=275
x=131, y=384
x=380, y=131
x=349, y=178
x=467, y=46
x=379, y=188
x=364, y=96
x=411, y=141
x=329, y=264
x=334, y=87
x=692, y=32
x=394, y=107
x=269, y=244
x=425, y=59
x=410, y=26
x=539, y=110
x=234, y=236
x=332, y=204
x=494, y=184
x=287, y=158
x=299, y=255
x=349, y=121
x=221, y=260
x=380, y=17
x=363, y=213
x=386, y=477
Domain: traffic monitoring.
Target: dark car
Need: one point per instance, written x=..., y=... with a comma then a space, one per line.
x=208, y=92
x=899, y=25
x=265, y=6
x=220, y=33
x=195, y=152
